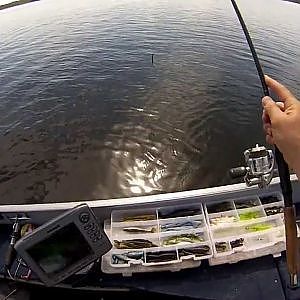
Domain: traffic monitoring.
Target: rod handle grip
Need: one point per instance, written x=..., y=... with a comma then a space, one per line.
x=291, y=240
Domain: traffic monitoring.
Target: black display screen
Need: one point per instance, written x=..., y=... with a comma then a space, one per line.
x=59, y=251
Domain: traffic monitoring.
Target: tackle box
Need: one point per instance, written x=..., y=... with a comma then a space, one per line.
x=246, y=228
x=174, y=241
x=175, y=238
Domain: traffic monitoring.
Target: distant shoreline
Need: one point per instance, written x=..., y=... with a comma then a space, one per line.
x=20, y=2
x=15, y=3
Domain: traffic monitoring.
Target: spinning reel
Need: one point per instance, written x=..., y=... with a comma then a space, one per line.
x=259, y=168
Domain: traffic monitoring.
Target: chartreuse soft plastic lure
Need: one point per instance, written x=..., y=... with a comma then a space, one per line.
x=249, y=215
x=258, y=227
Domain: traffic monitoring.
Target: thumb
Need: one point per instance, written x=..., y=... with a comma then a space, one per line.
x=271, y=108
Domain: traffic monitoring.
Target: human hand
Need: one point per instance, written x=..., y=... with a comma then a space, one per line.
x=282, y=123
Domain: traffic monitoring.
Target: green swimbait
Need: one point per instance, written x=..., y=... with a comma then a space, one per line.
x=183, y=238
x=249, y=215
x=258, y=227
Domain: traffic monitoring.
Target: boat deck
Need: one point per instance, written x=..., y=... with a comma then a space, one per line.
x=260, y=278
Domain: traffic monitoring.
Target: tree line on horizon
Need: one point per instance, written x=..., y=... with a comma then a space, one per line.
x=15, y=3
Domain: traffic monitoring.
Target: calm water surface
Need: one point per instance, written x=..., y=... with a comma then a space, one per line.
x=85, y=115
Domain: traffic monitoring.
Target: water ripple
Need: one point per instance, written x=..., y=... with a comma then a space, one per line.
x=86, y=115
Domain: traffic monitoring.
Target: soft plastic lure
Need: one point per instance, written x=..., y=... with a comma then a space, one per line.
x=127, y=257
x=258, y=227
x=133, y=244
x=246, y=204
x=237, y=243
x=139, y=230
x=139, y=218
x=183, y=238
x=161, y=256
x=273, y=210
x=197, y=251
x=223, y=220
x=180, y=226
x=221, y=246
x=180, y=213
x=249, y=215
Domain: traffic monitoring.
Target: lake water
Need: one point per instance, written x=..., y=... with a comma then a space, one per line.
x=84, y=114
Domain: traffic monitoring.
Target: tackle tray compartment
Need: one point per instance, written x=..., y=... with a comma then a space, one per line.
x=168, y=238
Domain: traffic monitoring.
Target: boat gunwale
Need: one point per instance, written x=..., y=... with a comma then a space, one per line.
x=156, y=199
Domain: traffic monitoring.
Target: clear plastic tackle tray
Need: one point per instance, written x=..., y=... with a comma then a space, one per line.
x=157, y=240
x=245, y=228
x=181, y=237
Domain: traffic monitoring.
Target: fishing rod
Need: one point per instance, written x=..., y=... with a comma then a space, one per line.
x=284, y=175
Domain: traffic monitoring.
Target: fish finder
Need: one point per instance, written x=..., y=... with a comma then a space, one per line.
x=64, y=245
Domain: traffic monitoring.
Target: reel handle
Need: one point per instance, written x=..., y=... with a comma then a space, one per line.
x=237, y=172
